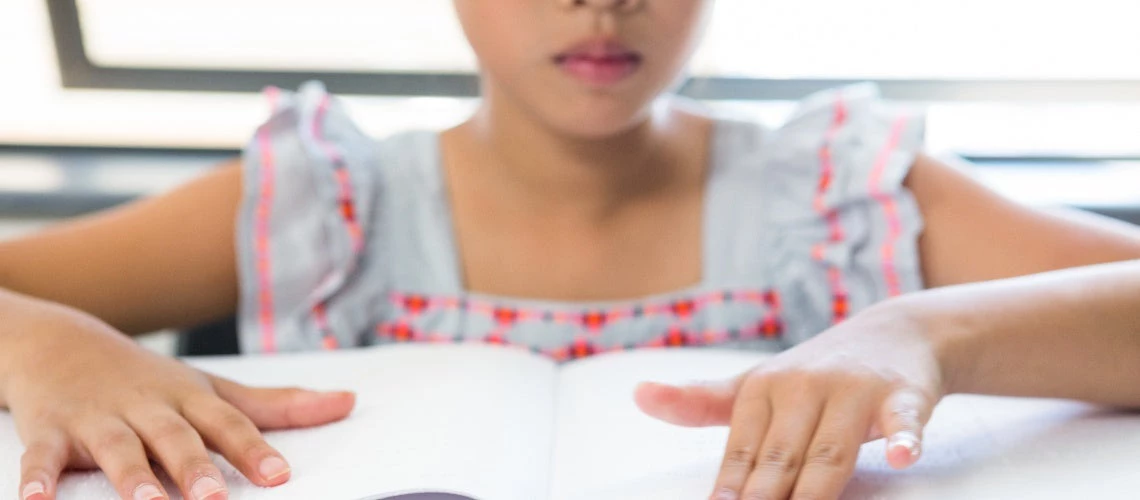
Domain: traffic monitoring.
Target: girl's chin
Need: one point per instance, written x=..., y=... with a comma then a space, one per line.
x=599, y=124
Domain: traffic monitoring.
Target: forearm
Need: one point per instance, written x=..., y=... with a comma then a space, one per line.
x=1067, y=334
x=17, y=313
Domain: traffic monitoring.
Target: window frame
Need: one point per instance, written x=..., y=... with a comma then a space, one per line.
x=77, y=71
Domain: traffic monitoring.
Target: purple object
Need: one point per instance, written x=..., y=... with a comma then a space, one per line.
x=424, y=496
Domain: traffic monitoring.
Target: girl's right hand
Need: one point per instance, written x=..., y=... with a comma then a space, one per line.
x=85, y=396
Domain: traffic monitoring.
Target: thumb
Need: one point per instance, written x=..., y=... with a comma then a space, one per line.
x=693, y=405
x=285, y=408
x=902, y=418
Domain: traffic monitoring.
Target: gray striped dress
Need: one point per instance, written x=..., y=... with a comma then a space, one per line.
x=346, y=240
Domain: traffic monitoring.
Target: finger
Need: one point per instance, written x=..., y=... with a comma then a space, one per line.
x=117, y=450
x=43, y=460
x=180, y=450
x=695, y=405
x=873, y=434
x=285, y=408
x=781, y=455
x=232, y=434
x=831, y=456
x=750, y=416
x=902, y=418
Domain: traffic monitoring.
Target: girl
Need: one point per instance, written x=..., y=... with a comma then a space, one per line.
x=577, y=211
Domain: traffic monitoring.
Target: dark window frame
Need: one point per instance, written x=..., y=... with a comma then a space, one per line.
x=78, y=71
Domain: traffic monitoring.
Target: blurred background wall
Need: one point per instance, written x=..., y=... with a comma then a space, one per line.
x=102, y=101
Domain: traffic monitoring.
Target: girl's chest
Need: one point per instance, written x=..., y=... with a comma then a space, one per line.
x=651, y=251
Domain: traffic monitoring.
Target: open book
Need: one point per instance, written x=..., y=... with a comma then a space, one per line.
x=490, y=423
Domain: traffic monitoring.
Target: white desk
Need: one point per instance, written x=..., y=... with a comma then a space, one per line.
x=976, y=448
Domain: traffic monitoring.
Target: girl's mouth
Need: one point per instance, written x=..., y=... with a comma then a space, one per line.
x=599, y=63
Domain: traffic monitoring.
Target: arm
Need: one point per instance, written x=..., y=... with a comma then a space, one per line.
x=1066, y=334
x=156, y=263
x=1073, y=334
x=798, y=420
x=973, y=234
x=84, y=396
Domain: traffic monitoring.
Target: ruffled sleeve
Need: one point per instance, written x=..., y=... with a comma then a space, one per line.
x=308, y=190
x=847, y=228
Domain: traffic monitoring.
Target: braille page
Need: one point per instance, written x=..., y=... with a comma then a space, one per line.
x=470, y=420
x=981, y=447
x=607, y=449
x=976, y=447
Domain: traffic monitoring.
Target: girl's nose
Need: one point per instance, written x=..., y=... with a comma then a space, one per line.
x=618, y=5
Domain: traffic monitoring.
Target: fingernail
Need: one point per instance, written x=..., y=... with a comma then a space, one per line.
x=272, y=468
x=206, y=487
x=34, y=491
x=725, y=494
x=907, y=440
x=147, y=492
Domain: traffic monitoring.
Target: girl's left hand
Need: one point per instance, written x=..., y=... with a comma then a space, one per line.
x=798, y=420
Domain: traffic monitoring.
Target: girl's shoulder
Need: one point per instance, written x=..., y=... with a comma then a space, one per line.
x=836, y=151
x=311, y=128
x=318, y=193
x=847, y=128
x=819, y=203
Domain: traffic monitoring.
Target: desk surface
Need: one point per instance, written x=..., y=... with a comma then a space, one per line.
x=976, y=448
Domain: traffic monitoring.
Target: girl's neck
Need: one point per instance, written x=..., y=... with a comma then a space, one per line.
x=594, y=177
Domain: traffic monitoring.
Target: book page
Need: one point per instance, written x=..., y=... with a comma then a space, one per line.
x=976, y=447
x=984, y=447
x=468, y=420
x=607, y=449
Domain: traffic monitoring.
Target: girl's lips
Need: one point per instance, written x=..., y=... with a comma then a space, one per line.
x=599, y=63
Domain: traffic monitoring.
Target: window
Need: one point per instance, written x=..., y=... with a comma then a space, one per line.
x=330, y=35
x=959, y=40
x=1000, y=77
x=919, y=48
